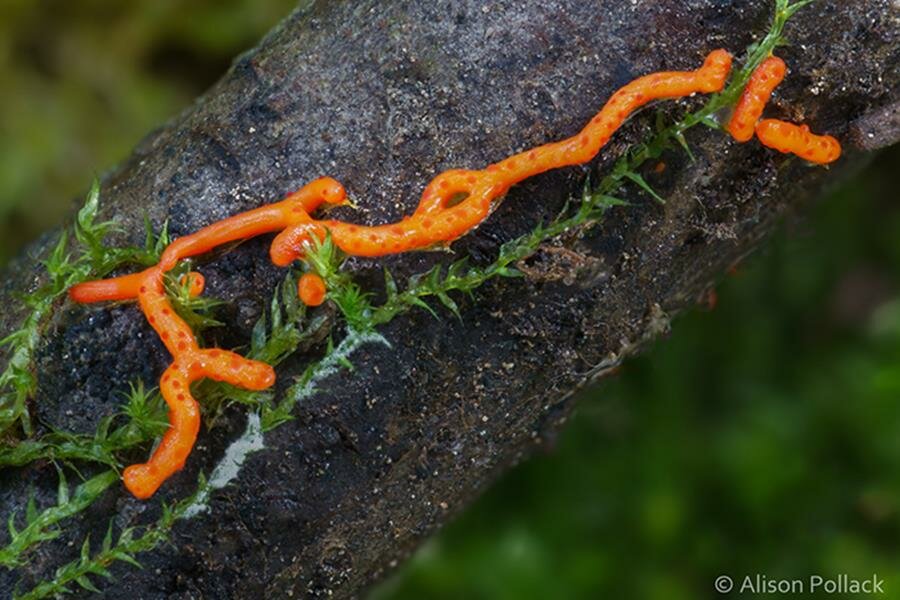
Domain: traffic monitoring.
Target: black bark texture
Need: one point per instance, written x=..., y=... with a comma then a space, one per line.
x=383, y=96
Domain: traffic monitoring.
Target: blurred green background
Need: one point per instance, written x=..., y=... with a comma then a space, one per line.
x=763, y=437
x=82, y=82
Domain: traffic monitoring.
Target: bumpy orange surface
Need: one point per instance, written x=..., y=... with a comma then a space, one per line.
x=190, y=361
x=457, y=201
x=797, y=139
x=453, y=203
x=780, y=135
x=756, y=95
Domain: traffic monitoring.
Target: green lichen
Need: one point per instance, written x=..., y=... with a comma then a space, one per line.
x=279, y=334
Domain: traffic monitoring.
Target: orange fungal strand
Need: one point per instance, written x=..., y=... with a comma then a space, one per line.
x=173, y=331
x=767, y=76
x=797, y=139
x=116, y=288
x=437, y=220
x=780, y=135
x=191, y=363
x=311, y=289
x=454, y=203
x=142, y=480
x=290, y=244
x=254, y=222
x=444, y=188
x=585, y=145
x=266, y=219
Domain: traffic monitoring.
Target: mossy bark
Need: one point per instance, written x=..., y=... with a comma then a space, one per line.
x=382, y=96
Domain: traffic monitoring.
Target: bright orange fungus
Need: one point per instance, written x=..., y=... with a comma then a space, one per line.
x=797, y=139
x=780, y=135
x=190, y=361
x=456, y=201
x=311, y=289
x=767, y=76
x=452, y=204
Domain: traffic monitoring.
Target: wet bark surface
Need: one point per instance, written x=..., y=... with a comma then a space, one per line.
x=383, y=96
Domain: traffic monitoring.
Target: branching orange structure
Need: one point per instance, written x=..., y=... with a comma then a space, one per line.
x=190, y=361
x=772, y=133
x=454, y=203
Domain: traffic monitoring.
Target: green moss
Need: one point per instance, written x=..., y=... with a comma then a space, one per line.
x=93, y=260
x=42, y=526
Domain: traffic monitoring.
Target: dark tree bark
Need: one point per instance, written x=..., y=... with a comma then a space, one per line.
x=382, y=96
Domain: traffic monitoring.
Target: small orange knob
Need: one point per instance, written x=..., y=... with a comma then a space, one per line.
x=311, y=289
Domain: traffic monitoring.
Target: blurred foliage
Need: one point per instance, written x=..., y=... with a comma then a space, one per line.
x=84, y=81
x=764, y=436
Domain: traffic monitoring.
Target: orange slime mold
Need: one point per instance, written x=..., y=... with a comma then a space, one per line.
x=780, y=135
x=311, y=289
x=749, y=109
x=457, y=201
x=190, y=361
x=453, y=203
x=797, y=139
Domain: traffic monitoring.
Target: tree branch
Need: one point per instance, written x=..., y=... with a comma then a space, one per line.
x=382, y=96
